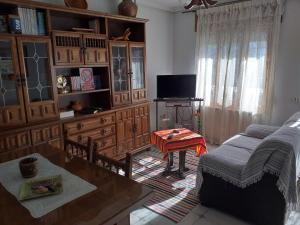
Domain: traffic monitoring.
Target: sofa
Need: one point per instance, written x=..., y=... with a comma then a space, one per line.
x=253, y=175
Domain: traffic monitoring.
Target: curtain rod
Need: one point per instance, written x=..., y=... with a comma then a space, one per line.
x=217, y=5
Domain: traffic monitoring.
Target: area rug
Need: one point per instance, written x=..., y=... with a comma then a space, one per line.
x=174, y=198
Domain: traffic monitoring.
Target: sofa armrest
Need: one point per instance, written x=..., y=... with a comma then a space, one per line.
x=260, y=131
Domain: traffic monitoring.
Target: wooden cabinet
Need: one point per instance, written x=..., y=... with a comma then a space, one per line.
x=12, y=111
x=142, y=126
x=73, y=48
x=125, y=132
x=120, y=73
x=67, y=48
x=137, y=52
x=26, y=81
x=133, y=131
x=128, y=72
x=36, y=135
x=40, y=95
x=95, y=49
x=45, y=134
x=15, y=141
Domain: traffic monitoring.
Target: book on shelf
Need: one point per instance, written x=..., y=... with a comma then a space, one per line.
x=75, y=83
x=40, y=15
x=32, y=21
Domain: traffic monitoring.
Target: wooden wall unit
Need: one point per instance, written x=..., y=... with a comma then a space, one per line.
x=29, y=99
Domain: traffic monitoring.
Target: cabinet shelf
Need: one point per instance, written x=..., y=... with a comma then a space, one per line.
x=81, y=66
x=83, y=92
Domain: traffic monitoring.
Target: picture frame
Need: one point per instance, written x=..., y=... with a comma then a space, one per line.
x=86, y=79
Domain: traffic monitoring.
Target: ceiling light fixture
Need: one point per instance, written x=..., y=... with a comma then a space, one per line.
x=206, y=3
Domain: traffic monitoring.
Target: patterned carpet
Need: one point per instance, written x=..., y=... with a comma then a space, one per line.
x=174, y=198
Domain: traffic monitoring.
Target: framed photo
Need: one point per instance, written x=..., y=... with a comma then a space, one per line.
x=75, y=83
x=86, y=79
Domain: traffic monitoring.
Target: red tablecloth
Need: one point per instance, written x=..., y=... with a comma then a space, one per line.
x=181, y=141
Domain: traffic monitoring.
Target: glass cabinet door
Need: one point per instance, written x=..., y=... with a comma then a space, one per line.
x=119, y=67
x=120, y=73
x=37, y=78
x=11, y=103
x=137, y=67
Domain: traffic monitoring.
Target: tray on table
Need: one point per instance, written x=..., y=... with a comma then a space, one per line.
x=41, y=187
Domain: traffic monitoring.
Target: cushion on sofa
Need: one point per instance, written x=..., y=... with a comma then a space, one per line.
x=260, y=131
x=241, y=141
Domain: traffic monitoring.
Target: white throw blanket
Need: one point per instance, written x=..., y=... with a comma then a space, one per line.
x=277, y=154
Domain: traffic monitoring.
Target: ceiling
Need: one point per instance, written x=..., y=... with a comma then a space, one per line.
x=169, y=5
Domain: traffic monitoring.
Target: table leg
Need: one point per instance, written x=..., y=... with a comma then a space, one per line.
x=182, y=168
x=170, y=164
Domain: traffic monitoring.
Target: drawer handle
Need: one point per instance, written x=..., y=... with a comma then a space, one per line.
x=79, y=126
x=103, y=120
x=103, y=132
x=103, y=144
x=80, y=138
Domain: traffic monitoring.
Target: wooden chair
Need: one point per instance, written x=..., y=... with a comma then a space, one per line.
x=78, y=149
x=112, y=164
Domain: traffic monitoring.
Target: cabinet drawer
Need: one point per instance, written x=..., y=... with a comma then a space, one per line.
x=89, y=124
x=106, y=142
x=45, y=134
x=81, y=126
x=15, y=141
x=95, y=134
x=107, y=119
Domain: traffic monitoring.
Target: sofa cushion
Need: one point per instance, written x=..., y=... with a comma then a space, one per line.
x=232, y=158
x=245, y=142
x=260, y=131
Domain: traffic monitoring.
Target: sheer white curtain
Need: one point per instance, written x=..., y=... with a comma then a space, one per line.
x=236, y=49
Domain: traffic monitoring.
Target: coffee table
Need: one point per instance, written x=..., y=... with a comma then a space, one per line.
x=178, y=140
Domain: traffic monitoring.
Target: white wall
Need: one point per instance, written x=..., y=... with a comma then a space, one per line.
x=287, y=82
x=159, y=36
x=184, y=43
x=159, y=48
x=287, y=78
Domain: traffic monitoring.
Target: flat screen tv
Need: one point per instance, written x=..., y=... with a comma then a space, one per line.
x=176, y=86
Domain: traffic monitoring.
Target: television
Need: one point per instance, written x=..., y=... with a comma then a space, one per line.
x=176, y=86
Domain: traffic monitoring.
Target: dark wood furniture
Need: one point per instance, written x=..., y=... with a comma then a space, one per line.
x=79, y=149
x=110, y=204
x=30, y=102
x=114, y=165
x=251, y=204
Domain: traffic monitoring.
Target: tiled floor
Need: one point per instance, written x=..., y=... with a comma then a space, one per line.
x=198, y=216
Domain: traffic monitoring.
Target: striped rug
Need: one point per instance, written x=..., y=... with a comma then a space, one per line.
x=174, y=198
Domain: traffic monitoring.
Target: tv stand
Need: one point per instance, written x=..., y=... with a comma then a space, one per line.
x=177, y=103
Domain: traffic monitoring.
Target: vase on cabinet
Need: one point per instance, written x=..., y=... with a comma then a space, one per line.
x=128, y=8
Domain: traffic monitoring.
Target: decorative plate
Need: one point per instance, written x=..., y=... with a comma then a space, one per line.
x=79, y=4
x=41, y=187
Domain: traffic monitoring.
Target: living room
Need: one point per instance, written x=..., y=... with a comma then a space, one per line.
x=149, y=112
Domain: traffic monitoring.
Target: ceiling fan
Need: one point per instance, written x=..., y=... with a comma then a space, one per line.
x=206, y=3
